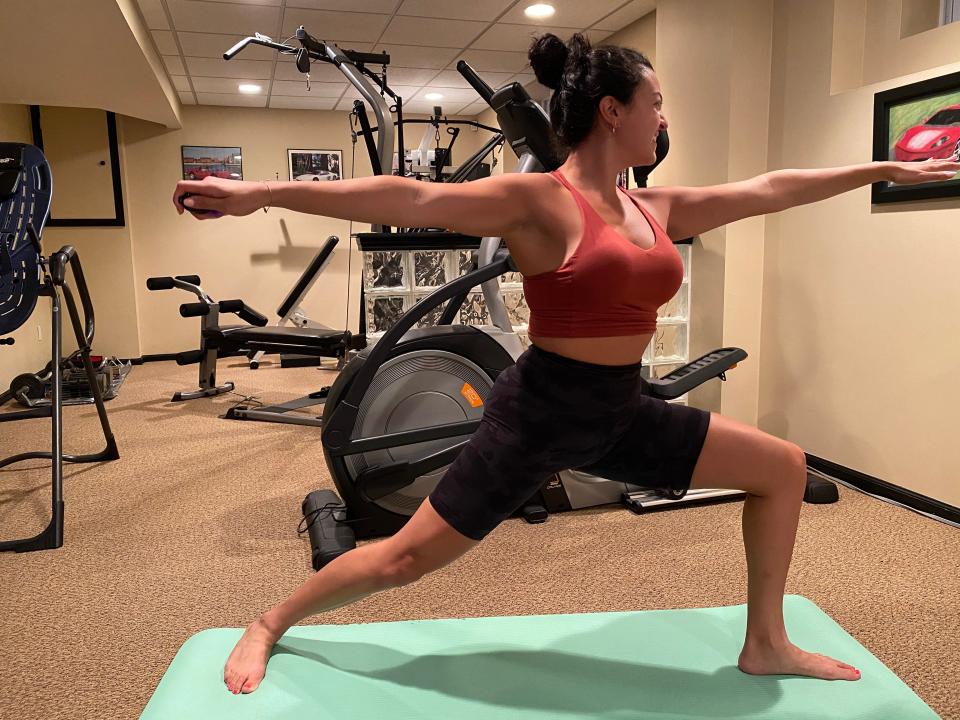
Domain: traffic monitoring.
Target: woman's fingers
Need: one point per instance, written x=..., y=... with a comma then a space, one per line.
x=926, y=171
x=199, y=202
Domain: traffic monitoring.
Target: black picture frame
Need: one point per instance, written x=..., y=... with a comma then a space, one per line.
x=306, y=164
x=118, y=219
x=901, y=110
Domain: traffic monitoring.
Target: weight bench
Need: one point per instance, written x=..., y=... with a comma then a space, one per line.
x=254, y=339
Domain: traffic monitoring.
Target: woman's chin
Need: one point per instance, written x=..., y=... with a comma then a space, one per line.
x=648, y=159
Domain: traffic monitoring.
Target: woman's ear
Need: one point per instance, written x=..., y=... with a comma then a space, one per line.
x=609, y=110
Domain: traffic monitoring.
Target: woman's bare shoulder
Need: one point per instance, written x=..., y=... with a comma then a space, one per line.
x=655, y=201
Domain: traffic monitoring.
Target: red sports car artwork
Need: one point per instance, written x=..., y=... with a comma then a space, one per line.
x=938, y=137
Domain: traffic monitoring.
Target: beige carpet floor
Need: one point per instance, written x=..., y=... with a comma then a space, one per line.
x=195, y=527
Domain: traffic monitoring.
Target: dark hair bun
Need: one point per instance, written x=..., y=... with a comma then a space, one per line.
x=548, y=56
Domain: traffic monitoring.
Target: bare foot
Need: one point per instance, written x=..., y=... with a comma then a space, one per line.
x=247, y=663
x=788, y=659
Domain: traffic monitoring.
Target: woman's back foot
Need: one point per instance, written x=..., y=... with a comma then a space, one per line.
x=788, y=659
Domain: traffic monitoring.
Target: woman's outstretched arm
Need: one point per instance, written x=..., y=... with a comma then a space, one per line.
x=694, y=210
x=497, y=207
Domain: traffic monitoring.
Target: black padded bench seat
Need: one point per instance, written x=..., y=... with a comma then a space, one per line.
x=303, y=340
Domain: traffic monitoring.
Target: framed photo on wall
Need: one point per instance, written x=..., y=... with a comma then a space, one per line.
x=200, y=161
x=314, y=165
x=913, y=123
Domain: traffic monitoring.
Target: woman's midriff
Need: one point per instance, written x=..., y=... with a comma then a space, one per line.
x=624, y=350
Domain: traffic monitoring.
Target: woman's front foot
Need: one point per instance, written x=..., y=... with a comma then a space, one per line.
x=788, y=659
x=247, y=663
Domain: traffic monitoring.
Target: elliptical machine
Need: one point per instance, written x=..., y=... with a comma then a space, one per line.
x=383, y=456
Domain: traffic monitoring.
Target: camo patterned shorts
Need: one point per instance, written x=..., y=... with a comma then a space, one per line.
x=549, y=413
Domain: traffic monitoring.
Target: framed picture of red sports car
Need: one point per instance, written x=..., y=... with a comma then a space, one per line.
x=914, y=123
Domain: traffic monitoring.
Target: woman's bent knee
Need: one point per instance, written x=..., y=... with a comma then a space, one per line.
x=425, y=544
x=402, y=569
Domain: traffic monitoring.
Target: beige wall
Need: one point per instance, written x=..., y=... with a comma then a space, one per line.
x=860, y=353
x=256, y=258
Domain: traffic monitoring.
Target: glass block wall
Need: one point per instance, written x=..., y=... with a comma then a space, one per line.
x=394, y=280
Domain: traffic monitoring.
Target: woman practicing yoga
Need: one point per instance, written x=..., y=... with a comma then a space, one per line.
x=597, y=262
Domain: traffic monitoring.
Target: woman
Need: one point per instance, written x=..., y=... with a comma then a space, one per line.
x=597, y=263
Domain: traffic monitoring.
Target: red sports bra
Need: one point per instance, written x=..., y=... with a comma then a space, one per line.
x=609, y=287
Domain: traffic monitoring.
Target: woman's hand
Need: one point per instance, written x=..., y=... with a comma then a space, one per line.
x=214, y=197
x=912, y=173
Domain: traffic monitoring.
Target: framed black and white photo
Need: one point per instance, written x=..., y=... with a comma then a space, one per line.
x=913, y=123
x=200, y=161
x=314, y=165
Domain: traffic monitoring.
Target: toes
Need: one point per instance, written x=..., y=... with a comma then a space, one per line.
x=239, y=685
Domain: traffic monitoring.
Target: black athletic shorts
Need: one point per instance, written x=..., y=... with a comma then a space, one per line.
x=549, y=413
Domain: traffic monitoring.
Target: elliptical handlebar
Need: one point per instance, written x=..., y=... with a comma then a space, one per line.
x=476, y=82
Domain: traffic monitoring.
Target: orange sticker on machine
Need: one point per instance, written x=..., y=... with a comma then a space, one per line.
x=471, y=395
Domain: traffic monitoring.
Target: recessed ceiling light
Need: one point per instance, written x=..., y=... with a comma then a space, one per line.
x=250, y=89
x=539, y=11
x=433, y=96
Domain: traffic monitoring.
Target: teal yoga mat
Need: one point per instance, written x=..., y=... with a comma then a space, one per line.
x=654, y=664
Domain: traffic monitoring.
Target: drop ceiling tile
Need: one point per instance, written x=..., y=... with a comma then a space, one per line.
x=165, y=42
x=457, y=112
x=346, y=104
x=187, y=98
x=404, y=91
x=181, y=83
x=452, y=78
x=517, y=37
x=222, y=17
x=153, y=14
x=360, y=6
x=223, y=85
x=322, y=24
x=596, y=37
x=409, y=76
x=241, y=69
x=319, y=71
x=236, y=100
x=569, y=13
x=245, y=2
x=212, y=45
x=302, y=103
x=299, y=88
x=524, y=78
x=493, y=60
x=451, y=96
x=488, y=10
x=432, y=31
x=425, y=107
x=174, y=64
x=416, y=56
x=629, y=13
x=475, y=108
